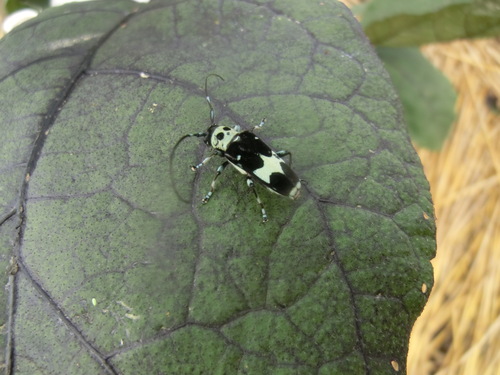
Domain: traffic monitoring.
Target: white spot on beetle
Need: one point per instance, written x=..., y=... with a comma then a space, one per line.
x=272, y=164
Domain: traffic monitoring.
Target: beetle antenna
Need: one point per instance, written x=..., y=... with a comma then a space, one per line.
x=212, y=114
x=171, y=162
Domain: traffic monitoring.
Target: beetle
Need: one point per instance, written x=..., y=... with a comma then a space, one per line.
x=248, y=154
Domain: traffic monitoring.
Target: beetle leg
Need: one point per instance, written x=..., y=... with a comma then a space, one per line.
x=260, y=125
x=262, y=209
x=212, y=185
x=194, y=168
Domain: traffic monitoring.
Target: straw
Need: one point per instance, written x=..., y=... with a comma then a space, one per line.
x=459, y=330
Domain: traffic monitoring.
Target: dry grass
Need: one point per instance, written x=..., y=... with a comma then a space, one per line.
x=459, y=330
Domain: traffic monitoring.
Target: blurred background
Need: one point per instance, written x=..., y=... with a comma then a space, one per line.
x=459, y=330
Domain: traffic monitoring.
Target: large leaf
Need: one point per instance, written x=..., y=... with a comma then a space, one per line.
x=111, y=273
x=396, y=23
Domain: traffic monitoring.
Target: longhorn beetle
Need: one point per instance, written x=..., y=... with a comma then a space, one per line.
x=248, y=154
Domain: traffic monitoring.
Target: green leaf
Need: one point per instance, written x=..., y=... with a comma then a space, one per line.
x=116, y=275
x=397, y=23
x=427, y=96
x=13, y=5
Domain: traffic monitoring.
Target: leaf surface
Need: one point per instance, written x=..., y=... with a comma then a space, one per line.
x=112, y=274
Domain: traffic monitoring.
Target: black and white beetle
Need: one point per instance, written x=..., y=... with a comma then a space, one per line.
x=248, y=154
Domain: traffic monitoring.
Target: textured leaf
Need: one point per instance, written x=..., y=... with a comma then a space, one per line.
x=428, y=97
x=397, y=23
x=111, y=273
